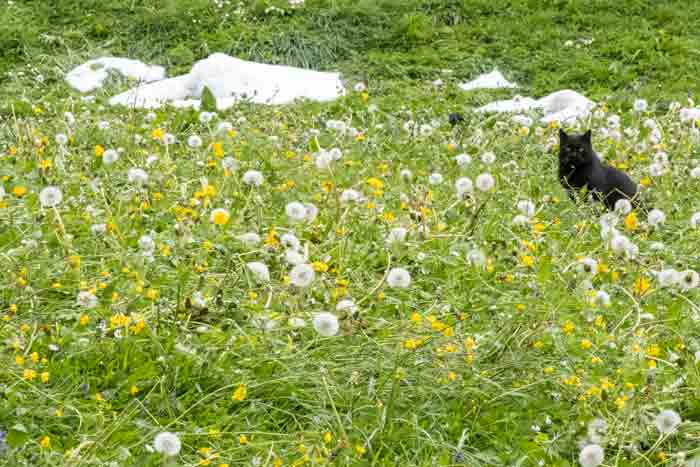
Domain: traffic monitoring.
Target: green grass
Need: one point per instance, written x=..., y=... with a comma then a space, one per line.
x=457, y=369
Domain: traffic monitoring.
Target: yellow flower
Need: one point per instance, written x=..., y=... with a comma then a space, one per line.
x=243, y=439
x=375, y=183
x=157, y=134
x=152, y=294
x=220, y=216
x=99, y=151
x=568, y=327
x=528, y=260
x=45, y=442
x=631, y=221
x=586, y=344
x=327, y=437
x=645, y=181
x=240, y=393
x=133, y=390
x=641, y=286
x=19, y=360
x=45, y=377
x=19, y=191
x=29, y=374
x=359, y=449
x=319, y=266
x=218, y=149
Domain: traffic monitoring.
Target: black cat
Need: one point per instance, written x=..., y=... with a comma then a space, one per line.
x=580, y=167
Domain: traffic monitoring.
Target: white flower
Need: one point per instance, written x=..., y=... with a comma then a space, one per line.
x=249, y=239
x=259, y=270
x=323, y=160
x=61, y=139
x=336, y=153
x=485, y=182
x=520, y=220
x=302, y=275
x=289, y=240
x=198, y=300
x=70, y=118
x=146, y=244
x=296, y=211
x=150, y=116
x=689, y=279
x=695, y=220
x=253, y=177
x=476, y=258
x=87, y=300
x=667, y=421
x=526, y=207
x=360, y=86
x=137, y=176
x=619, y=244
x=601, y=298
x=407, y=175
x=591, y=456
x=656, y=169
x=425, y=130
x=224, y=127
x=206, y=117
x=50, y=197
x=110, y=156
x=463, y=159
x=587, y=266
x=435, y=178
x=167, y=443
x=623, y=206
x=522, y=120
x=294, y=257
x=311, y=212
x=326, y=324
x=397, y=235
x=346, y=305
x=614, y=121
x=103, y=125
x=488, y=158
x=640, y=105
x=297, y=323
x=695, y=172
x=464, y=186
x=656, y=217
x=398, y=278
x=194, y=141
x=98, y=229
x=229, y=163
x=350, y=195
x=169, y=139
x=597, y=428
x=650, y=123
x=668, y=278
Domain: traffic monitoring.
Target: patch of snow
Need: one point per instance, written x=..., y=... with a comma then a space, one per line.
x=561, y=106
x=90, y=75
x=493, y=80
x=231, y=80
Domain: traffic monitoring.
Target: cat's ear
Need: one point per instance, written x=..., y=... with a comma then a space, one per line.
x=562, y=135
x=587, y=136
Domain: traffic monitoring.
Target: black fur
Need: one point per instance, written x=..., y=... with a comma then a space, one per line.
x=580, y=167
x=455, y=118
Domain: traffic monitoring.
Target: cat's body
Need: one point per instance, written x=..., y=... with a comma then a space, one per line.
x=580, y=167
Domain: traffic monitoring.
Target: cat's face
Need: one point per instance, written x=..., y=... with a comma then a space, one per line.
x=575, y=149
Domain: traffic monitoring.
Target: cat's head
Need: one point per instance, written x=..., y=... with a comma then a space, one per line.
x=575, y=149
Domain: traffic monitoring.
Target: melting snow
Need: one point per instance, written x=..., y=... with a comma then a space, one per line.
x=90, y=75
x=560, y=106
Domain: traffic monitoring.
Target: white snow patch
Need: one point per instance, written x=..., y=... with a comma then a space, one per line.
x=230, y=80
x=90, y=75
x=561, y=106
x=493, y=80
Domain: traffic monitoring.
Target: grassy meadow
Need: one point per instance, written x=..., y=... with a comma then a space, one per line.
x=352, y=283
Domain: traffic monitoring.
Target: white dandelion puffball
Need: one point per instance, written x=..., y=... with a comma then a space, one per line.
x=619, y=244
x=485, y=182
x=50, y=197
x=302, y=275
x=253, y=177
x=656, y=169
x=294, y=257
x=520, y=220
x=249, y=239
x=689, y=279
x=311, y=212
x=206, y=117
x=602, y=298
x=640, y=105
x=146, y=244
x=336, y=153
x=656, y=217
x=350, y=195
x=346, y=305
x=695, y=220
x=587, y=266
x=167, y=443
x=194, y=141
x=326, y=324
x=61, y=139
x=695, y=172
x=463, y=159
x=360, y=87
x=597, y=428
x=259, y=270
x=296, y=211
x=667, y=421
x=323, y=160
x=526, y=207
x=223, y=127
x=397, y=235
x=110, y=156
x=464, y=186
x=623, y=206
x=398, y=278
x=488, y=158
x=297, y=323
x=668, y=278
x=137, y=176
x=476, y=257
x=229, y=163
x=407, y=175
x=289, y=240
x=435, y=178
x=86, y=300
x=591, y=456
